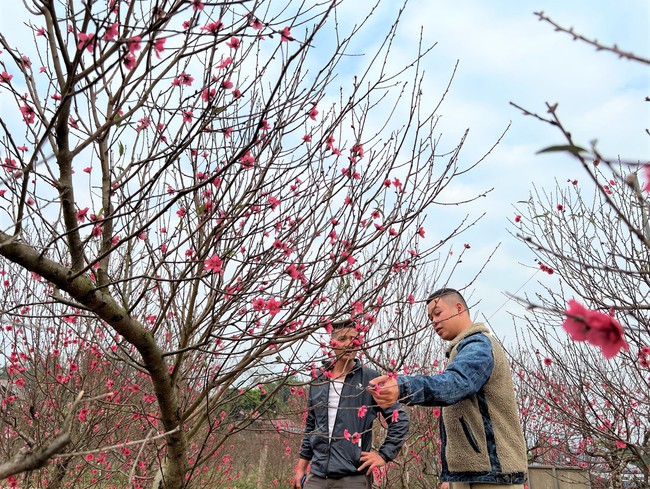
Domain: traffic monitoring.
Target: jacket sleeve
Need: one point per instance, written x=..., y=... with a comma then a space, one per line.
x=306, y=451
x=398, y=428
x=465, y=376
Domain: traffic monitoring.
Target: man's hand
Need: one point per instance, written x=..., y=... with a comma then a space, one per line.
x=296, y=481
x=370, y=461
x=385, y=391
x=301, y=470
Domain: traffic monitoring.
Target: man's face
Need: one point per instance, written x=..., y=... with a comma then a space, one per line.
x=444, y=313
x=343, y=343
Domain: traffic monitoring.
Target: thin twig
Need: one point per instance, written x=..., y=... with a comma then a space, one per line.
x=593, y=42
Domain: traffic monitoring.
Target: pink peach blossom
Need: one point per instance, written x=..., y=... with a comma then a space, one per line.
x=596, y=328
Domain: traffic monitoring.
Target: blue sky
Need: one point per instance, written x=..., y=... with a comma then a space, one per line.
x=506, y=54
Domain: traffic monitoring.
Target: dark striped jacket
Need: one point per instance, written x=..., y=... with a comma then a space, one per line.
x=338, y=456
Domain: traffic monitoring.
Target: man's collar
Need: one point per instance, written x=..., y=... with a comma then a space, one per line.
x=473, y=329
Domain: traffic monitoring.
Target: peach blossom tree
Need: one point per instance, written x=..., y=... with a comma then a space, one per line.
x=189, y=190
x=584, y=390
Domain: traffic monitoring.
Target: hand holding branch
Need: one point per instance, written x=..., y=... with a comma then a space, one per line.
x=384, y=390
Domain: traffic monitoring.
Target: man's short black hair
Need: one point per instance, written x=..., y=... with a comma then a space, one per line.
x=345, y=323
x=444, y=292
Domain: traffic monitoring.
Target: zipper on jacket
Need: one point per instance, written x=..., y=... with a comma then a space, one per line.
x=329, y=441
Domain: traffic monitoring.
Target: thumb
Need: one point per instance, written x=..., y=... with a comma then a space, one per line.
x=379, y=380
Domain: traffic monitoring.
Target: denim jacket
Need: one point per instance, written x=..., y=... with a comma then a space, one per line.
x=480, y=432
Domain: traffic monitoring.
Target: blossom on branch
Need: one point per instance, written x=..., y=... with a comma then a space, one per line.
x=234, y=43
x=214, y=264
x=273, y=306
x=295, y=272
x=134, y=44
x=357, y=150
x=129, y=61
x=247, y=161
x=28, y=113
x=159, y=46
x=81, y=214
x=112, y=32
x=274, y=202
x=86, y=41
x=596, y=328
x=213, y=27
x=224, y=63
x=285, y=35
x=183, y=79
x=256, y=23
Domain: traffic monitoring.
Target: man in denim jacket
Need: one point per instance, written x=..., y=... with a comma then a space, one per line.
x=482, y=442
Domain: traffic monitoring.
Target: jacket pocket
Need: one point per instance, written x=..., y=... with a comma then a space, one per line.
x=352, y=451
x=469, y=435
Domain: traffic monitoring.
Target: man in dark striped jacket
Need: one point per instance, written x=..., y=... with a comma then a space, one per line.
x=338, y=429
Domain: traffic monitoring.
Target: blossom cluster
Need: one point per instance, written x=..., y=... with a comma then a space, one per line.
x=596, y=328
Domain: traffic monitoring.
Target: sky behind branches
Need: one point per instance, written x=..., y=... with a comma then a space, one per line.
x=505, y=54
